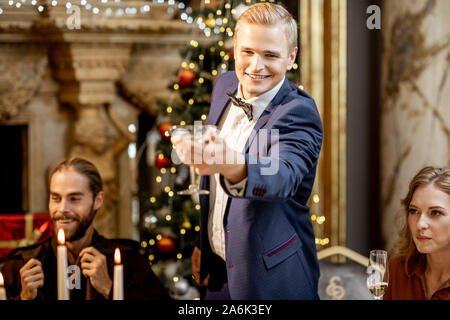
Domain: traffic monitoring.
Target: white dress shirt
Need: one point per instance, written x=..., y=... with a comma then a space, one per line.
x=235, y=128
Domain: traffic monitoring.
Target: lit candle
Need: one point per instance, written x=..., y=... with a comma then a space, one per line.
x=2, y=289
x=118, y=277
x=61, y=257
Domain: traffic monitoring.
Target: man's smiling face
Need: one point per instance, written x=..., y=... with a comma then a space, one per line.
x=72, y=205
x=262, y=57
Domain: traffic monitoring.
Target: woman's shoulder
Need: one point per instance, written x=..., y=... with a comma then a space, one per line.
x=397, y=259
x=397, y=263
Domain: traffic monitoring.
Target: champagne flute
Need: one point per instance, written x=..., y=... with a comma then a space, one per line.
x=197, y=134
x=378, y=274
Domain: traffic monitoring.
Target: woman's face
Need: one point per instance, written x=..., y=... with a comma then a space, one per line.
x=429, y=219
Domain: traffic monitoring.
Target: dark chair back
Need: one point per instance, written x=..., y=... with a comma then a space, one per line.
x=343, y=280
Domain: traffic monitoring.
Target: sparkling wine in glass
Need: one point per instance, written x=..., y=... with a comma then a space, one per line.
x=197, y=133
x=377, y=273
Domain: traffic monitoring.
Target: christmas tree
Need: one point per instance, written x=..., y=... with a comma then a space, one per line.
x=169, y=225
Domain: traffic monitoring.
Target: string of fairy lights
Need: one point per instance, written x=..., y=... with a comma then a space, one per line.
x=209, y=25
x=96, y=9
x=317, y=220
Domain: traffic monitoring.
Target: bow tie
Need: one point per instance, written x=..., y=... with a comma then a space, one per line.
x=247, y=107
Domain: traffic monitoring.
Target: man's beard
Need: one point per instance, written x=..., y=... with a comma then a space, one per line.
x=83, y=225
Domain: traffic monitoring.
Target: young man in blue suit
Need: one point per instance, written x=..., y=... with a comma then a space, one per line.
x=256, y=238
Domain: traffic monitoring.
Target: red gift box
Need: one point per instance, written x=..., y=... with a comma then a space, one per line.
x=19, y=230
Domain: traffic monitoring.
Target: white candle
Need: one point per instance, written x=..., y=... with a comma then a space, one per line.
x=2, y=289
x=61, y=257
x=118, y=277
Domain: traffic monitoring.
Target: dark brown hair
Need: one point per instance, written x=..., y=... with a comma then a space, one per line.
x=440, y=177
x=83, y=167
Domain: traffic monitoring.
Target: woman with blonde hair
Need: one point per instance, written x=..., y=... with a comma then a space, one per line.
x=421, y=268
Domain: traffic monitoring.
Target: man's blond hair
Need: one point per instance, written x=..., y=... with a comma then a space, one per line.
x=269, y=14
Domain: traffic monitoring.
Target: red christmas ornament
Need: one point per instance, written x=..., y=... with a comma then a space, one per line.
x=162, y=161
x=163, y=128
x=166, y=244
x=186, y=77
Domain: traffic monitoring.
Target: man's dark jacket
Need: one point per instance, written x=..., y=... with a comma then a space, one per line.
x=140, y=283
x=269, y=239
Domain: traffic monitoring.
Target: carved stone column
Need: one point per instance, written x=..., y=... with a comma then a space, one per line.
x=415, y=126
x=87, y=73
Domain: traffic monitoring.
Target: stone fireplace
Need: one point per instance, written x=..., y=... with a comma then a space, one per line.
x=75, y=89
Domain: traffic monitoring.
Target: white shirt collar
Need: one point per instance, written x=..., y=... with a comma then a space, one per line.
x=262, y=101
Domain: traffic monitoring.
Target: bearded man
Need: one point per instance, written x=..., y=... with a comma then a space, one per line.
x=76, y=193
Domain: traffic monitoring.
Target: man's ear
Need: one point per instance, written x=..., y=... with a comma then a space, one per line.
x=291, y=58
x=98, y=201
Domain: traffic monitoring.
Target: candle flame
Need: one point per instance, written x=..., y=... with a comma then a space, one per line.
x=1, y=280
x=117, y=256
x=61, y=237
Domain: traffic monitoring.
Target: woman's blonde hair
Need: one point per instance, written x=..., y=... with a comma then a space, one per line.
x=269, y=14
x=440, y=177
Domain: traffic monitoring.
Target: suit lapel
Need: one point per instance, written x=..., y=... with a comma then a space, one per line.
x=222, y=102
x=265, y=116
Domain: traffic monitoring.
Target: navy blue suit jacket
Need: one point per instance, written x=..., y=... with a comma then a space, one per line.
x=270, y=244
